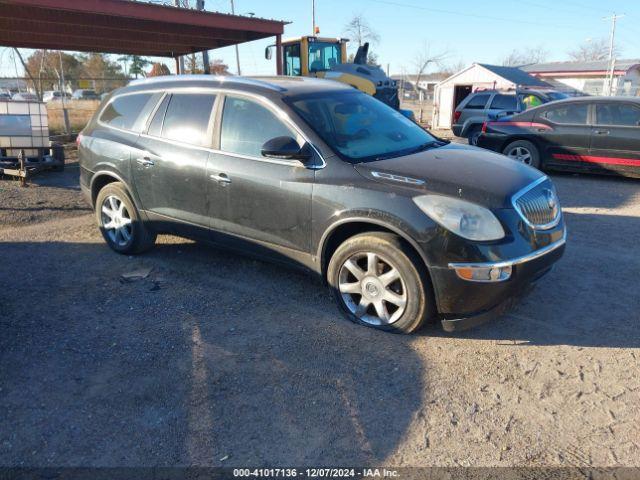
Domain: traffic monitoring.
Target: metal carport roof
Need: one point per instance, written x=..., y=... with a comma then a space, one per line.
x=124, y=26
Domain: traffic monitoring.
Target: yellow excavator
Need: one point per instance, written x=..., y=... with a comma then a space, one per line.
x=321, y=57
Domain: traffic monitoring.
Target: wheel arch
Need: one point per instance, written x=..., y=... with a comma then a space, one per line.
x=470, y=124
x=104, y=177
x=346, y=228
x=518, y=137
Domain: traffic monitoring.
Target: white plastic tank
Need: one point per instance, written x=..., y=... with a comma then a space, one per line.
x=23, y=126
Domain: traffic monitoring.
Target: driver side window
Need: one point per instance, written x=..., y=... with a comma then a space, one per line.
x=247, y=125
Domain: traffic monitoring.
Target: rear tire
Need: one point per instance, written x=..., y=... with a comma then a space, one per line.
x=523, y=151
x=379, y=282
x=474, y=135
x=120, y=222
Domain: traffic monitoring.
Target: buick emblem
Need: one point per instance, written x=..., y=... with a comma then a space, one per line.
x=551, y=200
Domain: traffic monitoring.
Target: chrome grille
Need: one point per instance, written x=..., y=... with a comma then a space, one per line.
x=538, y=204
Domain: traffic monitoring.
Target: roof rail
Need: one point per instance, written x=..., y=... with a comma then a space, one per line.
x=209, y=78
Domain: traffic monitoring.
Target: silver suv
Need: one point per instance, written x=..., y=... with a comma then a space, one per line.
x=484, y=105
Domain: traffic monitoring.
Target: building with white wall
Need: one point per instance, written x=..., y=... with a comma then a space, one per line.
x=450, y=92
x=590, y=78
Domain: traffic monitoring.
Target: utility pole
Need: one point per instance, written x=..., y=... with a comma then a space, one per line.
x=611, y=64
x=233, y=12
x=205, y=53
x=313, y=17
x=180, y=59
x=63, y=92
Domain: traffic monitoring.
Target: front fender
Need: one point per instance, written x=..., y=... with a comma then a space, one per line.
x=375, y=218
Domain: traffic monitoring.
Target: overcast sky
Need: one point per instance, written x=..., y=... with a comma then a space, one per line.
x=470, y=31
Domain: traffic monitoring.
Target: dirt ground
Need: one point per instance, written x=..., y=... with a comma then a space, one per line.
x=217, y=359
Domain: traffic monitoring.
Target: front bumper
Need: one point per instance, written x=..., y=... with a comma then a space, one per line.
x=464, y=303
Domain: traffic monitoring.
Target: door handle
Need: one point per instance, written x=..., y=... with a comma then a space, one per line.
x=145, y=161
x=220, y=178
x=601, y=132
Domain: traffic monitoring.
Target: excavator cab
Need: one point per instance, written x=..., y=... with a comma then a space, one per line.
x=327, y=58
x=307, y=56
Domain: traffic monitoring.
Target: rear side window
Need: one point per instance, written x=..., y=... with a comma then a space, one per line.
x=504, y=102
x=123, y=111
x=575, y=114
x=478, y=102
x=247, y=125
x=617, y=114
x=155, y=127
x=187, y=118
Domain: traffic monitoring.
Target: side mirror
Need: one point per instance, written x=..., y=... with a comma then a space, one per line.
x=285, y=148
x=267, y=53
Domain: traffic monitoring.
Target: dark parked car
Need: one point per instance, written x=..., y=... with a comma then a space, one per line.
x=85, y=95
x=484, y=105
x=599, y=134
x=403, y=226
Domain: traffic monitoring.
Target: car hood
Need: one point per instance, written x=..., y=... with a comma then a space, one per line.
x=461, y=171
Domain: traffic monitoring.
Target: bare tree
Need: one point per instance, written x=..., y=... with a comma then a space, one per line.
x=452, y=68
x=359, y=30
x=592, y=50
x=424, y=59
x=525, y=56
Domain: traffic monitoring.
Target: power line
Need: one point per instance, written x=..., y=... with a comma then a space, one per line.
x=548, y=6
x=473, y=15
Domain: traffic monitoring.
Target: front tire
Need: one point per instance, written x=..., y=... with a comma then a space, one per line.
x=120, y=222
x=380, y=283
x=523, y=151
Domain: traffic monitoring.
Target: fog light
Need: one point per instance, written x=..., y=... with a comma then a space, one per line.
x=484, y=274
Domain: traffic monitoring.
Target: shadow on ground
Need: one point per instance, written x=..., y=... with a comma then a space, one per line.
x=213, y=359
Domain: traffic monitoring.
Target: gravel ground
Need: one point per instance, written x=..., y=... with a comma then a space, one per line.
x=217, y=359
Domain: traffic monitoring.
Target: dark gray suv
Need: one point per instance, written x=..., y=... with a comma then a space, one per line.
x=488, y=105
x=403, y=226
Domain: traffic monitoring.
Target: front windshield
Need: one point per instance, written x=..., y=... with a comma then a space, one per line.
x=323, y=56
x=359, y=127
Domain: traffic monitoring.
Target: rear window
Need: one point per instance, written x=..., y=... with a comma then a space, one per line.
x=505, y=102
x=478, y=102
x=123, y=111
x=617, y=114
x=575, y=114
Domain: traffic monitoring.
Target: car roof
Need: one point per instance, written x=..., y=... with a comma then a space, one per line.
x=543, y=91
x=279, y=85
x=596, y=99
x=584, y=99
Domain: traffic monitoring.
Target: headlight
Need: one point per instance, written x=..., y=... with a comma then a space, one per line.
x=466, y=219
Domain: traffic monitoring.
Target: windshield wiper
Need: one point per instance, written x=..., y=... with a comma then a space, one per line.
x=402, y=153
x=425, y=146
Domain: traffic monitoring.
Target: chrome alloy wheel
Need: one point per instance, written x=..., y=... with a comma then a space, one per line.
x=116, y=221
x=520, y=154
x=372, y=288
